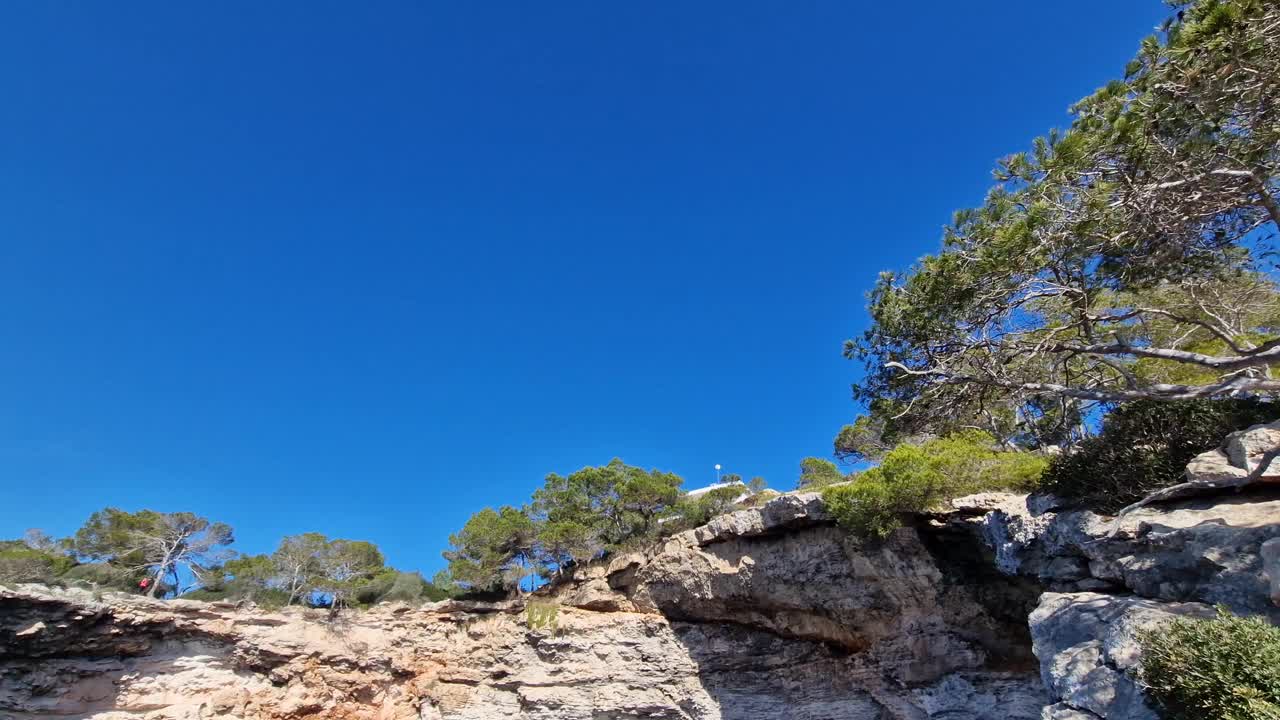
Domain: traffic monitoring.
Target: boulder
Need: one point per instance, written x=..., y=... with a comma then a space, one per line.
x=1206, y=550
x=1213, y=466
x=1089, y=652
x=1246, y=447
x=782, y=513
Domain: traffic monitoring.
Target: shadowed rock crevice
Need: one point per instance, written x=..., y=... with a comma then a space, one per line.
x=879, y=622
x=1111, y=578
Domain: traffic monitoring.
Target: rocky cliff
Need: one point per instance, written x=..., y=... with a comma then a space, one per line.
x=995, y=611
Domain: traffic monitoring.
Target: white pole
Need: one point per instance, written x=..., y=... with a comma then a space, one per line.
x=717, y=473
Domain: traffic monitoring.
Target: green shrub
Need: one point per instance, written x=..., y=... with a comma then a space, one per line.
x=1227, y=668
x=542, y=616
x=22, y=564
x=914, y=478
x=394, y=586
x=102, y=575
x=690, y=512
x=25, y=566
x=1145, y=446
x=817, y=473
x=406, y=588
x=761, y=498
x=869, y=507
x=264, y=597
x=205, y=594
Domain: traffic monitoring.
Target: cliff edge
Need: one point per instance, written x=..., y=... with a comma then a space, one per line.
x=1002, y=608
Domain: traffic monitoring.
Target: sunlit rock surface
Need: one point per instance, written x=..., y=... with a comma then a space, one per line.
x=765, y=613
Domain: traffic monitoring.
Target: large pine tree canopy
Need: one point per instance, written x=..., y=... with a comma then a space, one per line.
x=1128, y=257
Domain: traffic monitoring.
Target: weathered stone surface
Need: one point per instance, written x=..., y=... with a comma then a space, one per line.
x=1213, y=466
x=986, y=502
x=766, y=613
x=182, y=661
x=1088, y=649
x=1041, y=503
x=1010, y=528
x=1063, y=711
x=1206, y=550
x=1178, y=559
x=922, y=604
x=1246, y=447
x=1271, y=567
x=785, y=512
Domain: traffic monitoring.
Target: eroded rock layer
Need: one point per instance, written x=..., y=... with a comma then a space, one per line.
x=761, y=614
x=769, y=613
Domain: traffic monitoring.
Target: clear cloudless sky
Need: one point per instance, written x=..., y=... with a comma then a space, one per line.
x=366, y=267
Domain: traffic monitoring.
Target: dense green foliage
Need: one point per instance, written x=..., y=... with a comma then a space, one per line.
x=915, y=478
x=314, y=570
x=817, y=473
x=104, y=576
x=579, y=517
x=495, y=549
x=868, y=438
x=1129, y=257
x=246, y=577
x=154, y=543
x=571, y=519
x=1145, y=446
x=21, y=563
x=24, y=561
x=117, y=550
x=694, y=511
x=1227, y=668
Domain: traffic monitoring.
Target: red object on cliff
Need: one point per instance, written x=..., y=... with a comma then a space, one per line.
x=144, y=582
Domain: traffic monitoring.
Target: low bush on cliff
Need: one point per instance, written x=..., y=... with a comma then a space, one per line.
x=817, y=473
x=100, y=576
x=1227, y=668
x=22, y=564
x=1145, y=446
x=914, y=478
x=47, y=562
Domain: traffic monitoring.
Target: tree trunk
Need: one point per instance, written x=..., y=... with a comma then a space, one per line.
x=295, y=585
x=160, y=571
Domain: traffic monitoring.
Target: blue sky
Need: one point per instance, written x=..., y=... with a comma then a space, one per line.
x=365, y=268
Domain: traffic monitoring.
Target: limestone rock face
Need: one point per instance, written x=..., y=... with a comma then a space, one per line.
x=921, y=604
x=765, y=613
x=1113, y=577
x=1207, y=550
x=1089, y=654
